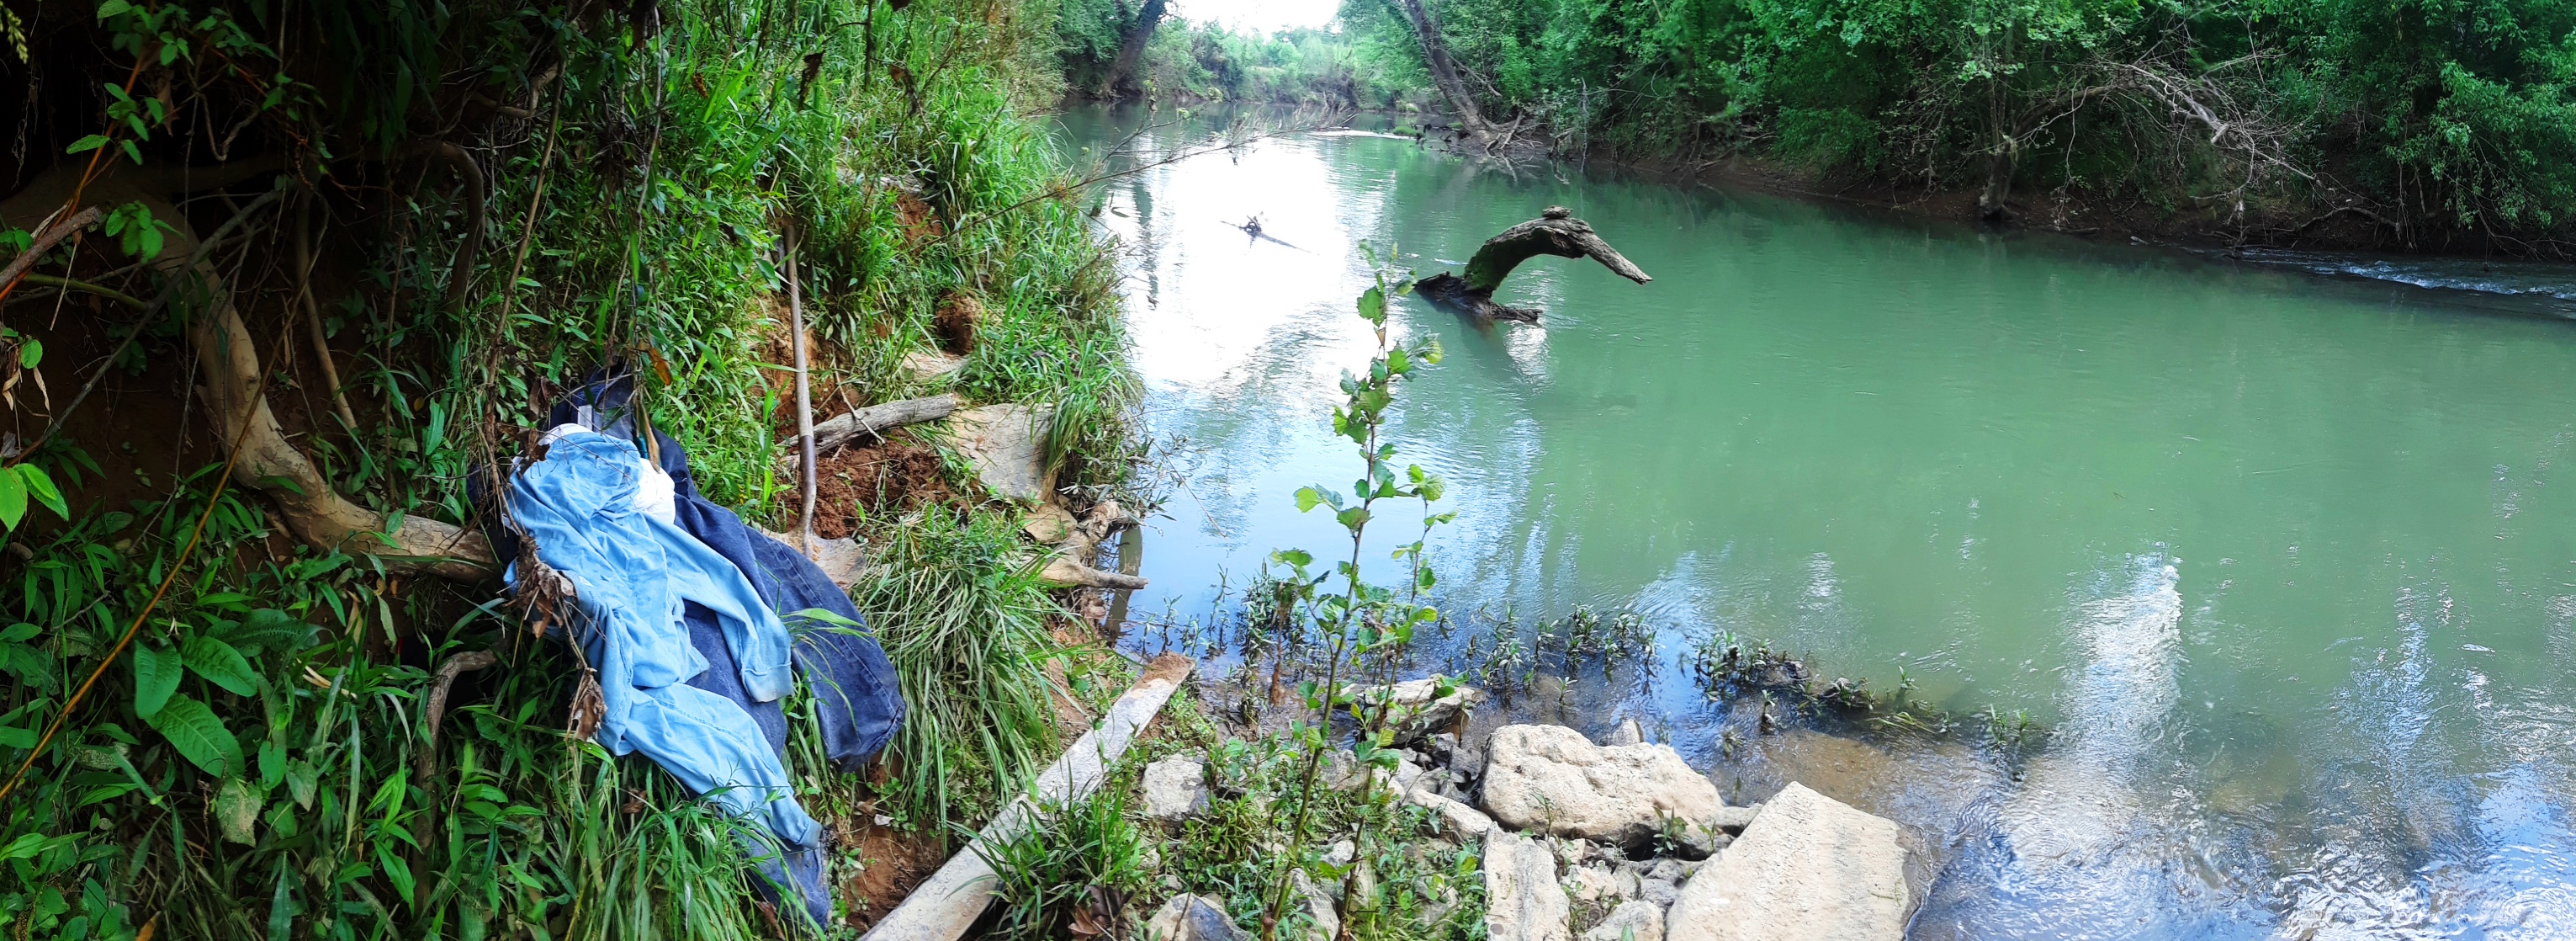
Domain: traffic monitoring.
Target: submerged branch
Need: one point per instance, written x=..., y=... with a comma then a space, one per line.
x=1554, y=232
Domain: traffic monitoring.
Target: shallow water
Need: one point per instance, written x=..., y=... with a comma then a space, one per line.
x=2284, y=560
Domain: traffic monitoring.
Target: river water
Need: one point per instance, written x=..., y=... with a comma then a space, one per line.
x=2283, y=559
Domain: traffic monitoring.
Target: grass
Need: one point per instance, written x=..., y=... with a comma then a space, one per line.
x=1094, y=861
x=965, y=625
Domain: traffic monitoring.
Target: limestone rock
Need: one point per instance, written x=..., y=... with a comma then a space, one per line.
x=1175, y=788
x=1322, y=922
x=1808, y=867
x=1341, y=853
x=1658, y=891
x=1522, y=900
x=1050, y=524
x=1197, y=918
x=1598, y=883
x=1631, y=921
x=1551, y=777
x=1455, y=817
x=1006, y=444
x=1414, y=711
x=926, y=366
x=1734, y=819
x=1463, y=760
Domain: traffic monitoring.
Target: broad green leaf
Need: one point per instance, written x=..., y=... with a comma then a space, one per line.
x=156, y=676
x=14, y=737
x=87, y=144
x=270, y=629
x=396, y=871
x=40, y=486
x=18, y=633
x=236, y=810
x=13, y=497
x=198, y=735
x=272, y=766
x=300, y=782
x=112, y=8
x=30, y=352
x=220, y=664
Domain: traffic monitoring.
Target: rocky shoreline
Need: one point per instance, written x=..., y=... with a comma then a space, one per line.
x=1618, y=840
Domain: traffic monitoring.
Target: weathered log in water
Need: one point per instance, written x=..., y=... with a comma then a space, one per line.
x=1554, y=232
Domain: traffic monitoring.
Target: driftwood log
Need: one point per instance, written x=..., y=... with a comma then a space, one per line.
x=879, y=418
x=1554, y=232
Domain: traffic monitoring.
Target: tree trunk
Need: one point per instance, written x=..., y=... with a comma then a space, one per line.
x=1444, y=73
x=1999, y=173
x=1131, y=51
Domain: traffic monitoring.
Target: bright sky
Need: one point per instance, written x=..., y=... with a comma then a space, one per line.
x=1260, y=16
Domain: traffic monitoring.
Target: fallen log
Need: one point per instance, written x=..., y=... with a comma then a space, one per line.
x=1554, y=232
x=947, y=904
x=877, y=419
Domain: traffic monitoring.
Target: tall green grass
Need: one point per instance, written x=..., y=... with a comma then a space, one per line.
x=965, y=625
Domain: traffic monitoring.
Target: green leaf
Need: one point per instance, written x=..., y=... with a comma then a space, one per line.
x=198, y=735
x=40, y=486
x=272, y=766
x=19, y=632
x=13, y=497
x=220, y=664
x=236, y=810
x=1373, y=305
x=396, y=871
x=112, y=8
x=14, y=737
x=87, y=144
x=30, y=352
x=270, y=629
x=300, y=782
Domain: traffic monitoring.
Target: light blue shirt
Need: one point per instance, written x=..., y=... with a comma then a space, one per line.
x=631, y=574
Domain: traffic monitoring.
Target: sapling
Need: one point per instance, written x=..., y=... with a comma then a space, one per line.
x=1361, y=618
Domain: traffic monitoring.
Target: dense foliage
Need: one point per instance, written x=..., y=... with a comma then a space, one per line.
x=2423, y=119
x=504, y=197
x=1191, y=60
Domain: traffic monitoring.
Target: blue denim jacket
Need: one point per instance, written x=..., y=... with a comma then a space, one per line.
x=632, y=575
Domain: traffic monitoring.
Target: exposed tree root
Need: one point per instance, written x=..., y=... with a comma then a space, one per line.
x=312, y=508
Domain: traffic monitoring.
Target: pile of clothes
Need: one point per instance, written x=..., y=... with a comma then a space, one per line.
x=696, y=624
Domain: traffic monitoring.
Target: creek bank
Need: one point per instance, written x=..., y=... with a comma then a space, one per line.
x=1604, y=842
x=2078, y=213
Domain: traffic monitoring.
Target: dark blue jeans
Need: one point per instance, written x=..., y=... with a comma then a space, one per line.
x=858, y=700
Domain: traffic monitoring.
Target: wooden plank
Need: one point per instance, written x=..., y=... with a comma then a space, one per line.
x=944, y=906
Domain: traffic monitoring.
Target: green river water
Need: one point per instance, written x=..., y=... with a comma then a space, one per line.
x=2285, y=562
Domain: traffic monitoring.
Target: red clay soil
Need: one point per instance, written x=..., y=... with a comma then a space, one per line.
x=893, y=863
x=896, y=475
